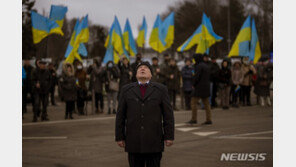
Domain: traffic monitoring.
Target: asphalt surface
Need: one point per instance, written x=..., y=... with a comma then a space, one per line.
x=89, y=140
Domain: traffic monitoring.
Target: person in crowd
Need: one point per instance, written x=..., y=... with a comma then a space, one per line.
x=246, y=85
x=163, y=69
x=173, y=81
x=145, y=119
x=69, y=89
x=54, y=82
x=262, y=84
x=23, y=78
x=125, y=72
x=187, y=78
x=224, y=78
x=111, y=85
x=41, y=82
x=201, y=85
x=156, y=71
x=214, y=67
x=81, y=77
x=237, y=78
x=97, y=79
x=27, y=85
x=134, y=66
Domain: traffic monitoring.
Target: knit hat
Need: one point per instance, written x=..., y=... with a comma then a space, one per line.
x=146, y=63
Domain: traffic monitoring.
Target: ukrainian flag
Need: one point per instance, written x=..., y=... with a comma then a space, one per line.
x=208, y=36
x=42, y=27
x=167, y=30
x=142, y=34
x=79, y=36
x=129, y=42
x=241, y=44
x=57, y=14
x=204, y=36
x=156, y=40
x=114, y=43
x=255, y=53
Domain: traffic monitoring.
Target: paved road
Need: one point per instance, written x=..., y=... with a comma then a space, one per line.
x=89, y=141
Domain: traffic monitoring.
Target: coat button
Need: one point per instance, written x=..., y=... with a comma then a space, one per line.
x=142, y=127
x=142, y=116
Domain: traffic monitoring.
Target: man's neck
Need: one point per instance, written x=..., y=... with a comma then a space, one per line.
x=143, y=80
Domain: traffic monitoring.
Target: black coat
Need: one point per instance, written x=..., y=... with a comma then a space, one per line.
x=187, y=76
x=201, y=80
x=69, y=88
x=224, y=76
x=139, y=120
x=43, y=77
x=28, y=80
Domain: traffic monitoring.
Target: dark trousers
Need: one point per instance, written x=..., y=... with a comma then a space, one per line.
x=214, y=94
x=187, y=97
x=246, y=92
x=25, y=99
x=99, y=98
x=70, y=106
x=38, y=100
x=144, y=159
x=235, y=94
x=172, y=94
x=52, y=90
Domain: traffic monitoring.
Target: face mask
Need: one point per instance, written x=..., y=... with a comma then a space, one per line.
x=79, y=67
x=110, y=65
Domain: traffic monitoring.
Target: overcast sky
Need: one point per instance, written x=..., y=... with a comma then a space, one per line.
x=103, y=11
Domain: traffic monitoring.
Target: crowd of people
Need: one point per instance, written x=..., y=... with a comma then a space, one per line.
x=200, y=81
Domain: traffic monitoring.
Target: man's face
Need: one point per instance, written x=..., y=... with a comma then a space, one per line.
x=125, y=61
x=155, y=62
x=172, y=62
x=188, y=63
x=205, y=58
x=42, y=66
x=144, y=72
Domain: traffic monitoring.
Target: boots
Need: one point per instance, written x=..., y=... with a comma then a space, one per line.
x=109, y=111
x=114, y=112
x=70, y=115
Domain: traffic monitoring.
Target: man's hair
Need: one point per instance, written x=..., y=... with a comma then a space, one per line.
x=155, y=58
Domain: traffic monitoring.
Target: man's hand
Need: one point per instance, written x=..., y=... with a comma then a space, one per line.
x=121, y=143
x=168, y=143
x=37, y=85
x=172, y=76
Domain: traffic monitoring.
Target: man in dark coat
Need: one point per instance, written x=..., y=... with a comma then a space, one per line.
x=54, y=82
x=41, y=81
x=145, y=120
x=156, y=71
x=173, y=82
x=187, y=77
x=214, y=74
x=134, y=66
x=27, y=87
x=163, y=68
x=201, y=84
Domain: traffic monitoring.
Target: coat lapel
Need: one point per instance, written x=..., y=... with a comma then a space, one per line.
x=137, y=91
x=149, y=90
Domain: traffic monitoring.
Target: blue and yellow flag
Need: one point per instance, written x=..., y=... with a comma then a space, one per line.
x=167, y=30
x=204, y=36
x=241, y=45
x=42, y=27
x=114, y=43
x=156, y=40
x=129, y=42
x=57, y=14
x=255, y=52
x=208, y=36
x=79, y=36
x=142, y=34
